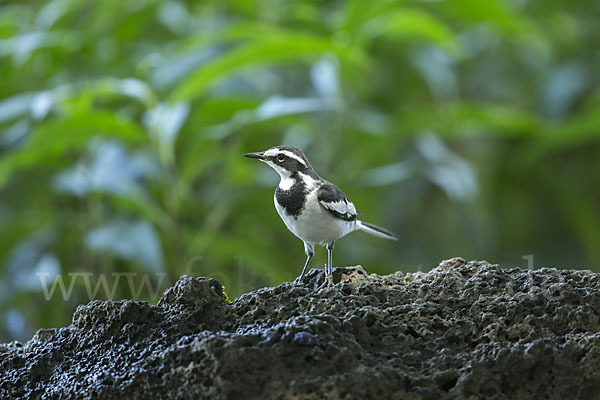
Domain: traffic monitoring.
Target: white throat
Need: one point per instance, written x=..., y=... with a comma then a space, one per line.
x=286, y=182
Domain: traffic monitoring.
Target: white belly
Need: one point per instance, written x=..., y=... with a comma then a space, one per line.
x=315, y=225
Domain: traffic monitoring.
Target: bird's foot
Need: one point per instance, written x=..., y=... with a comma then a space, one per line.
x=328, y=282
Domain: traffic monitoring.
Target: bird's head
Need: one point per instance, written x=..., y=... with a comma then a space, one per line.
x=286, y=160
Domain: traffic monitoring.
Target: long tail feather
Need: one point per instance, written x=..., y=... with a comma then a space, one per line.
x=376, y=230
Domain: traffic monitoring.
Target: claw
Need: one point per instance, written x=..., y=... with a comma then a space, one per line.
x=328, y=283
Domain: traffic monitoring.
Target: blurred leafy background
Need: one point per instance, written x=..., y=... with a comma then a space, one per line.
x=471, y=128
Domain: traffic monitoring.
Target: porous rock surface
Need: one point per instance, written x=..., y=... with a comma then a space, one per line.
x=465, y=330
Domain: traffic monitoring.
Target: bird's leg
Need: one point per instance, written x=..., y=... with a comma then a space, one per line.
x=328, y=268
x=309, y=249
x=330, y=263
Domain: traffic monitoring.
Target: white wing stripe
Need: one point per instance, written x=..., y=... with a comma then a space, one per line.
x=341, y=207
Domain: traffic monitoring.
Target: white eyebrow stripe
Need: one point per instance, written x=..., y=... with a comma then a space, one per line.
x=294, y=156
x=273, y=152
x=270, y=152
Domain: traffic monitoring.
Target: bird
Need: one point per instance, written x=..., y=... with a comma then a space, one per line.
x=313, y=209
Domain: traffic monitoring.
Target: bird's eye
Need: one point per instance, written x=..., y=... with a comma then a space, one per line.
x=280, y=157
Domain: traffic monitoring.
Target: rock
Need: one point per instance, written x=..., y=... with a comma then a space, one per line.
x=465, y=330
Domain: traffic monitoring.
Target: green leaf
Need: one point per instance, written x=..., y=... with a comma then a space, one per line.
x=21, y=47
x=233, y=33
x=55, y=138
x=468, y=119
x=495, y=11
x=576, y=130
x=259, y=53
x=410, y=24
x=16, y=106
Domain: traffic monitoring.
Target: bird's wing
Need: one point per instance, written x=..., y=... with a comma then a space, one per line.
x=336, y=202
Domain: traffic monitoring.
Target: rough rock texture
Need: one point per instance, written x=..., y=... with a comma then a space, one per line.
x=462, y=331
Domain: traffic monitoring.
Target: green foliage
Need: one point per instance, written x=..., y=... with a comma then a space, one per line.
x=226, y=296
x=470, y=128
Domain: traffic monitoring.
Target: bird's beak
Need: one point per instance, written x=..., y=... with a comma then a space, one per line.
x=259, y=156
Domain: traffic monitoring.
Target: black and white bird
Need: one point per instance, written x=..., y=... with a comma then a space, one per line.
x=313, y=209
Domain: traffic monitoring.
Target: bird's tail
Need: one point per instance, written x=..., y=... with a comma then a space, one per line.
x=376, y=230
